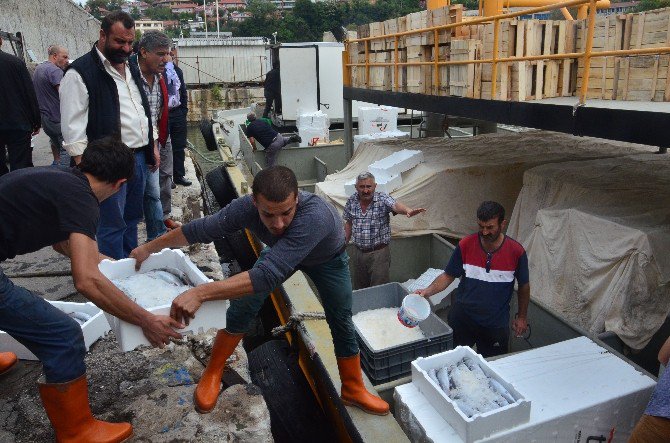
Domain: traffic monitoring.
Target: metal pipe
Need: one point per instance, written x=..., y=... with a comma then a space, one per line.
x=566, y=14
x=436, y=59
x=396, y=66
x=494, y=64
x=587, y=52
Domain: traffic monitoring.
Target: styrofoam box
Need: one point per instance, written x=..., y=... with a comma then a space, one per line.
x=384, y=184
x=396, y=163
x=315, y=119
x=373, y=119
x=481, y=425
x=358, y=139
x=212, y=314
x=94, y=329
x=312, y=136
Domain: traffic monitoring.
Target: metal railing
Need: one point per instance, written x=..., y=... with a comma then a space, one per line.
x=586, y=55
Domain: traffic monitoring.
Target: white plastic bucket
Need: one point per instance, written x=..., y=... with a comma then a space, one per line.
x=414, y=309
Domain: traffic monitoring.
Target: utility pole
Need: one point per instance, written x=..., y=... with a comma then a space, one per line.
x=204, y=13
x=218, y=33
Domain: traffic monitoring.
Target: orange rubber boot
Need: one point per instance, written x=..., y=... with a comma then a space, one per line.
x=353, y=389
x=207, y=392
x=7, y=361
x=70, y=415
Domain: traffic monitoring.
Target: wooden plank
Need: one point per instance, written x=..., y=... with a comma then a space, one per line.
x=465, y=80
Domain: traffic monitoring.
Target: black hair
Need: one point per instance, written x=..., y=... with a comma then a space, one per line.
x=116, y=16
x=108, y=160
x=489, y=210
x=275, y=184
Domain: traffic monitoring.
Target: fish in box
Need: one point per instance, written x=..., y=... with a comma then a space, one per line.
x=170, y=270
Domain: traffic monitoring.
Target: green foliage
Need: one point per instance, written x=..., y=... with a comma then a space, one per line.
x=135, y=13
x=161, y=13
x=648, y=5
x=308, y=21
x=216, y=94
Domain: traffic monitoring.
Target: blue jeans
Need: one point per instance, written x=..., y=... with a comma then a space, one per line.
x=46, y=331
x=333, y=282
x=153, y=209
x=120, y=214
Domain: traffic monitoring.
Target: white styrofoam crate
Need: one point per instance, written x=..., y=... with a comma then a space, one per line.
x=384, y=184
x=396, y=163
x=311, y=136
x=93, y=329
x=373, y=119
x=479, y=426
x=350, y=187
x=212, y=314
x=316, y=119
x=358, y=139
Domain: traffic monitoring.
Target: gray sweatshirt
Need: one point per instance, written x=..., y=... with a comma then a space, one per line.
x=315, y=236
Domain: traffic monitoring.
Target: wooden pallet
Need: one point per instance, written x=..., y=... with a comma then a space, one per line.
x=465, y=80
x=506, y=48
x=419, y=78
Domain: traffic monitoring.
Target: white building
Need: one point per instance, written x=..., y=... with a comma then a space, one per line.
x=149, y=25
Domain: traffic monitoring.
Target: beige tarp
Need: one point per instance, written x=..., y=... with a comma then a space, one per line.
x=598, y=239
x=458, y=174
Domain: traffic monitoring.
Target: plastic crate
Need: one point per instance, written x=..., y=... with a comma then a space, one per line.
x=384, y=365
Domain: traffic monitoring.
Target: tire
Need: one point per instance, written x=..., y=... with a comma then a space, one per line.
x=294, y=412
x=208, y=134
x=235, y=246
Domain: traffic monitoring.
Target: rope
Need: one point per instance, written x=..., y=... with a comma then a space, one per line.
x=192, y=148
x=295, y=320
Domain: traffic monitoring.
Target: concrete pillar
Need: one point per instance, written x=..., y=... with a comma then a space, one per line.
x=348, y=129
x=434, y=124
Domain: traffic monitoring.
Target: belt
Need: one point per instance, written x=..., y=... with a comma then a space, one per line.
x=141, y=148
x=372, y=249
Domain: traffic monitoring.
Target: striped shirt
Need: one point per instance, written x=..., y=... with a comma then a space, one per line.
x=487, y=278
x=372, y=227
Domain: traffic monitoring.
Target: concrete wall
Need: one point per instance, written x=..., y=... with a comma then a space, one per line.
x=47, y=22
x=202, y=101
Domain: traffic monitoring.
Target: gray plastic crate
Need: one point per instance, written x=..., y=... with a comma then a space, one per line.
x=384, y=365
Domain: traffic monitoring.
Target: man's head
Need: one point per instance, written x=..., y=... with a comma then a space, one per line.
x=110, y=162
x=491, y=220
x=251, y=116
x=59, y=56
x=154, y=50
x=275, y=195
x=117, y=32
x=365, y=186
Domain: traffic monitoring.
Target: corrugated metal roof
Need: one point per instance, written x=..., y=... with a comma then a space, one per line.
x=203, y=64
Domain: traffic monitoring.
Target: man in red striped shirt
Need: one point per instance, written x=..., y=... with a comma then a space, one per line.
x=487, y=263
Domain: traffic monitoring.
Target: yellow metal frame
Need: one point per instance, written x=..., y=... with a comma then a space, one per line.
x=586, y=56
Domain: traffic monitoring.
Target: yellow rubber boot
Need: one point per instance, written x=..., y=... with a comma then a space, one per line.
x=70, y=415
x=7, y=361
x=207, y=392
x=353, y=389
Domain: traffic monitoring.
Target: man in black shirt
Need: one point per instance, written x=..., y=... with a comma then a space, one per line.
x=19, y=113
x=272, y=90
x=270, y=139
x=58, y=207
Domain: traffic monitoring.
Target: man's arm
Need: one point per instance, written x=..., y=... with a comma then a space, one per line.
x=400, y=208
x=520, y=323
x=96, y=287
x=64, y=249
x=74, y=114
x=31, y=99
x=172, y=239
x=438, y=285
x=347, y=231
x=664, y=353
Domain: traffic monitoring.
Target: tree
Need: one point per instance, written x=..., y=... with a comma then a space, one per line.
x=135, y=13
x=161, y=13
x=648, y=5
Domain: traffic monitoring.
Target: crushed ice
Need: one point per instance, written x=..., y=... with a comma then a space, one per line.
x=470, y=388
x=382, y=329
x=153, y=288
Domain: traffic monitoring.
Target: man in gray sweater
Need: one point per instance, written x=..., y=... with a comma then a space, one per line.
x=302, y=232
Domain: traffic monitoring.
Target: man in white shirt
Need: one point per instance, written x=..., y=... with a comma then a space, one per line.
x=102, y=95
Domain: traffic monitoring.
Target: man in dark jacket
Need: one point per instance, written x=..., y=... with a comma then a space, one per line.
x=102, y=95
x=19, y=113
x=178, y=111
x=272, y=90
x=259, y=130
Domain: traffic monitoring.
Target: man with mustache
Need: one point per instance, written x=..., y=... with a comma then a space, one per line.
x=153, y=53
x=487, y=263
x=102, y=95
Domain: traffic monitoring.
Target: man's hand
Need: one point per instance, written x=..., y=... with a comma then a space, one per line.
x=35, y=132
x=158, y=329
x=423, y=292
x=185, y=306
x=140, y=254
x=519, y=326
x=413, y=212
x=157, y=158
